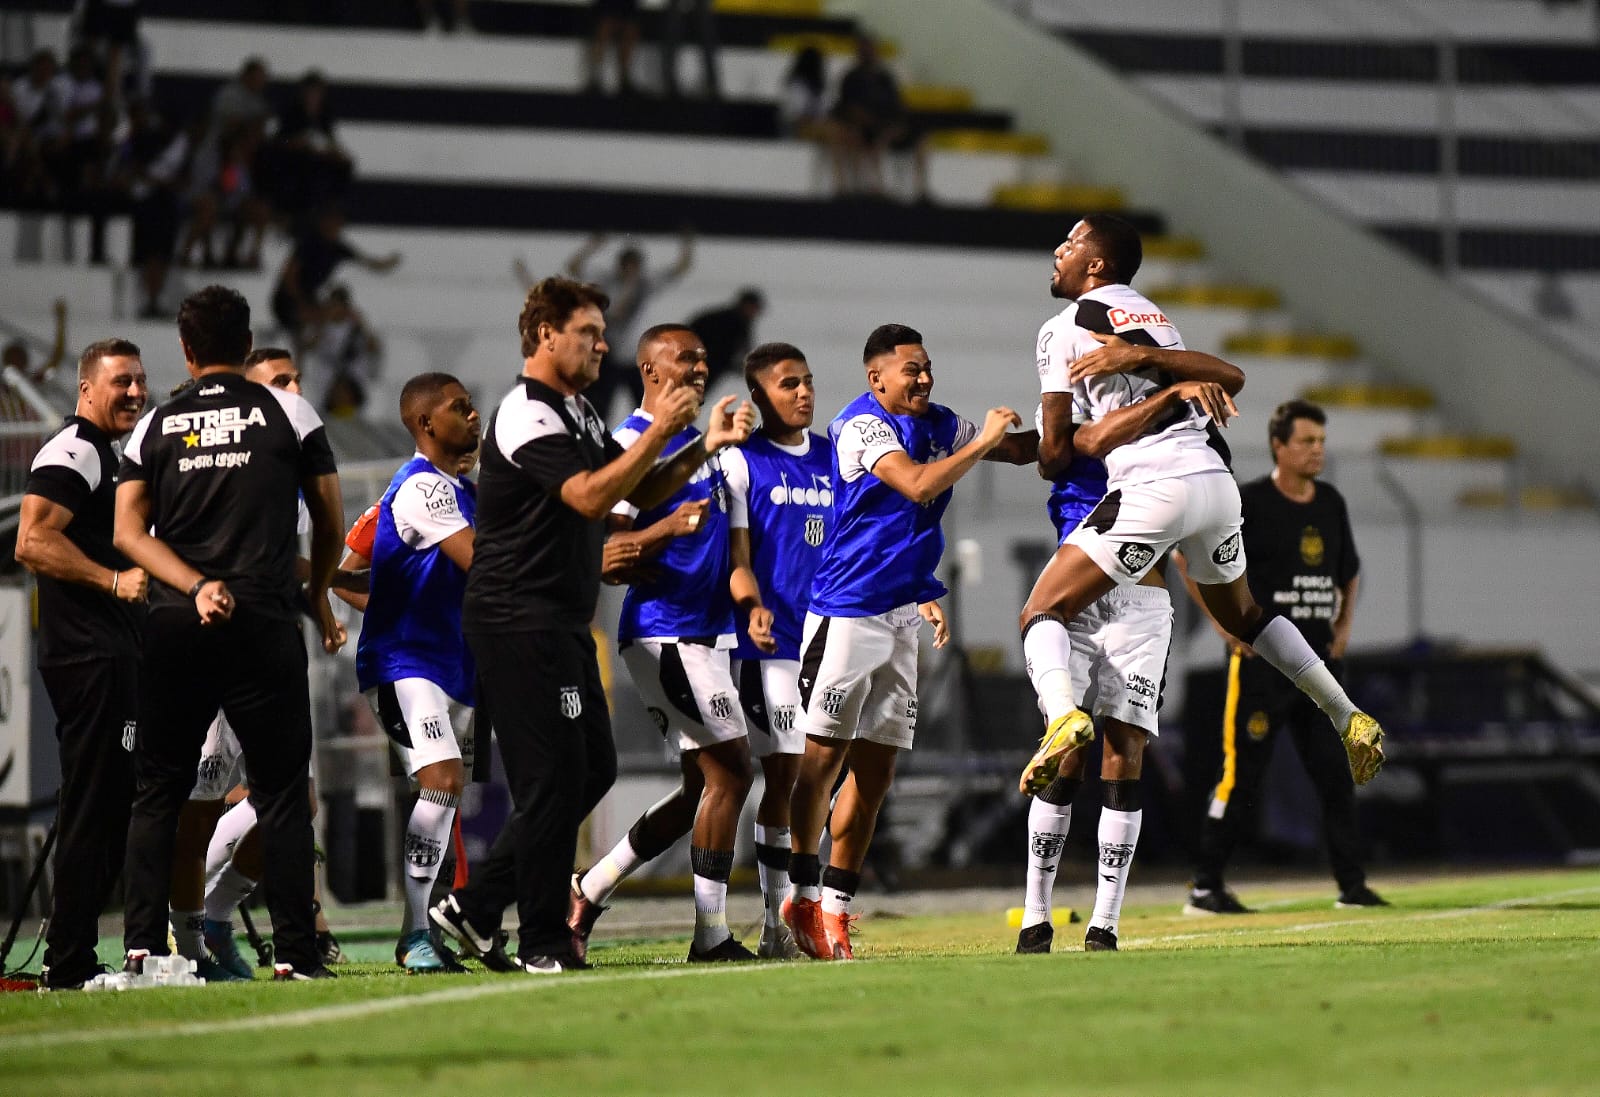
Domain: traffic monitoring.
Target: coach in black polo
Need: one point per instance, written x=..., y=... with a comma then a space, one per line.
x=208, y=505
x=550, y=475
x=90, y=621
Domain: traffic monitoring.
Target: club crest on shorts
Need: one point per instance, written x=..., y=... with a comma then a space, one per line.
x=1048, y=845
x=1227, y=551
x=130, y=734
x=1135, y=557
x=833, y=701
x=571, y=702
x=815, y=528
x=722, y=706
x=1115, y=855
x=783, y=719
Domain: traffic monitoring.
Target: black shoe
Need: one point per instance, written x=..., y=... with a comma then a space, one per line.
x=453, y=926
x=549, y=963
x=1036, y=938
x=729, y=951
x=1099, y=939
x=1362, y=896
x=288, y=973
x=582, y=914
x=51, y=980
x=328, y=948
x=1214, y=901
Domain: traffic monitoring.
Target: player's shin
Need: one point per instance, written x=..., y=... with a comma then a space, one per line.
x=772, y=864
x=1282, y=645
x=1120, y=818
x=1049, y=817
x=1047, y=650
x=712, y=867
x=427, y=834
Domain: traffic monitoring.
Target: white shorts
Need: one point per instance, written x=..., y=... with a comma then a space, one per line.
x=769, y=690
x=858, y=677
x=221, y=762
x=1134, y=526
x=688, y=689
x=423, y=722
x=1119, y=655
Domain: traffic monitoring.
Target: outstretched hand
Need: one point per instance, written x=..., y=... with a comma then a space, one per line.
x=676, y=407
x=729, y=425
x=933, y=613
x=1212, y=398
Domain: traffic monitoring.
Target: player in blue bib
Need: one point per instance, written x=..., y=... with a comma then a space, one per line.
x=896, y=456
x=412, y=661
x=676, y=632
x=780, y=492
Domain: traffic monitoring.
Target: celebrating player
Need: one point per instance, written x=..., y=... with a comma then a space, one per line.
x=780, y=492
x=1169, y=485
x=896, y=456
x=676, y=631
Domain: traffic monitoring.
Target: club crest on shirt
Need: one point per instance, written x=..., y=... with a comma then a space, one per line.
x=1135, y=557
x=1257, y=726
x=571, y=702
x=1312, y=548
x=815, y=527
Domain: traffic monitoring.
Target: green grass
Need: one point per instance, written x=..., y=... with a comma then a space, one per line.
x=1468, y=985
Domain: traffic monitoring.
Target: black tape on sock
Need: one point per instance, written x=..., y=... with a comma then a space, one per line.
x=1062, y=791
x=712, y=864
x=1121, y=795
x=773, y=856
x=805, y=870
x=841, y=880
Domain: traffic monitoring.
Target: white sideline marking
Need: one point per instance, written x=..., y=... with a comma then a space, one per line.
x=1234, y=929
x=351, y=1010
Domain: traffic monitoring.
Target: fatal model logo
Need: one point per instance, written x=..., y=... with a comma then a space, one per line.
x=571, y=702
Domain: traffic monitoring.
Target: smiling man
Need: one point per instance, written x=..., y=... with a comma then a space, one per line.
x=90, y=621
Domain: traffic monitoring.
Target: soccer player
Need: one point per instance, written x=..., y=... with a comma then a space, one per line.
x=676, y=631
x=90, y=625
x=896, y=456
x=206, y=504
x=412, y=662
x=780, y=491
x=1169, y=484
x=1302, y=557
x=1122, y=639
x=550, y=477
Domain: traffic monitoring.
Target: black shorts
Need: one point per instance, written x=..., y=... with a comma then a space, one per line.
x=116, y=23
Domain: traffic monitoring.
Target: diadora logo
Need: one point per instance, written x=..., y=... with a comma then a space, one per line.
x=1122, y=318
x=819, y=494
x=211, y=390
x=216, y=427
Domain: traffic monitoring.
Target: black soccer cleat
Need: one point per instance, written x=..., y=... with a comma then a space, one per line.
x=549, y=963
x=453, y=926
x=729, y=951
x=1214, y=901
x=288, y=973
x=1036, y=938
x=1099, y=939
x=1362, y=896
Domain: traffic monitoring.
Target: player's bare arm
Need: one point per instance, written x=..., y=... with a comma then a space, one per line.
x=746, y=591
x=132, y=537
x=353, y=581
x=628, y=550
x=1117, y=355
x=1125, y=424
x=922, y=483
x=44, y=549
x=729, y=426
x=1016, y=448
x=594, y=494
x=1056, y=430
x=326, y=505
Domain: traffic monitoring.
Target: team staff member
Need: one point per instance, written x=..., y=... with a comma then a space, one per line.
x=207, y=504
x=550, y=476
x=90, y=620
x=1303, y=562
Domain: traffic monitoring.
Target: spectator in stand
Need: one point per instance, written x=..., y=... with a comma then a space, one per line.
x=672, y=36
x=305, y=167
x=113, y=25
x=630, y=286
x=242, y=100
x=342, y=352
x=35, y=96
x=15, y=354
x=803, y=112
x=728, y=333
x=22, y=175
x=872, y=113
x=616, y=24
x=150, y=166
x=230, y=198
x=316, y=255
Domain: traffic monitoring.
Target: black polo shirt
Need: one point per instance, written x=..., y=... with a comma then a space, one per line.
x=224, y=462
x=535, y=560
x=77, y=469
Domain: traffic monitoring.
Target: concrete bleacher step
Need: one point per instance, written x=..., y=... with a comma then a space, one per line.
x=1214, y=295
x=1437, y=469
x=1048, y=197
x=1292, y=344
x=1542, y=498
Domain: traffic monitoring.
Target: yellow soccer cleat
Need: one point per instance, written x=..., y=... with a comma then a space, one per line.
x=1363, y=742
x=1065, y=735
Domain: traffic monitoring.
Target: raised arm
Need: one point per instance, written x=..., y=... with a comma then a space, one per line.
x=1117, y=355
x=923, y=483
x=1016, y=448
x=728, y=427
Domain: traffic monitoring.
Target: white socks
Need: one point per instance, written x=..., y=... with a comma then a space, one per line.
x=1119, y=836
x=600, y=881
x=225, y=891
x=1281, y=644
x=1047, y=650
x=188, y=928
x=427, y=834
x=712, y=867
x=1047, y=836
x=226, y=886
x=772, y=864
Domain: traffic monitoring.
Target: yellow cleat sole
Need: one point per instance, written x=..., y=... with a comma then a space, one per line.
x=1363, y=744
x=1065, y=735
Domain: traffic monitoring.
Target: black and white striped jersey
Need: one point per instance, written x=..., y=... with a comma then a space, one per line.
x=224, y=463
x=1183, y=445
x=77, y=469
x=535, y=560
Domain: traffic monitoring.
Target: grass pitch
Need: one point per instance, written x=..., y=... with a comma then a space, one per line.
x=1467, y=985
